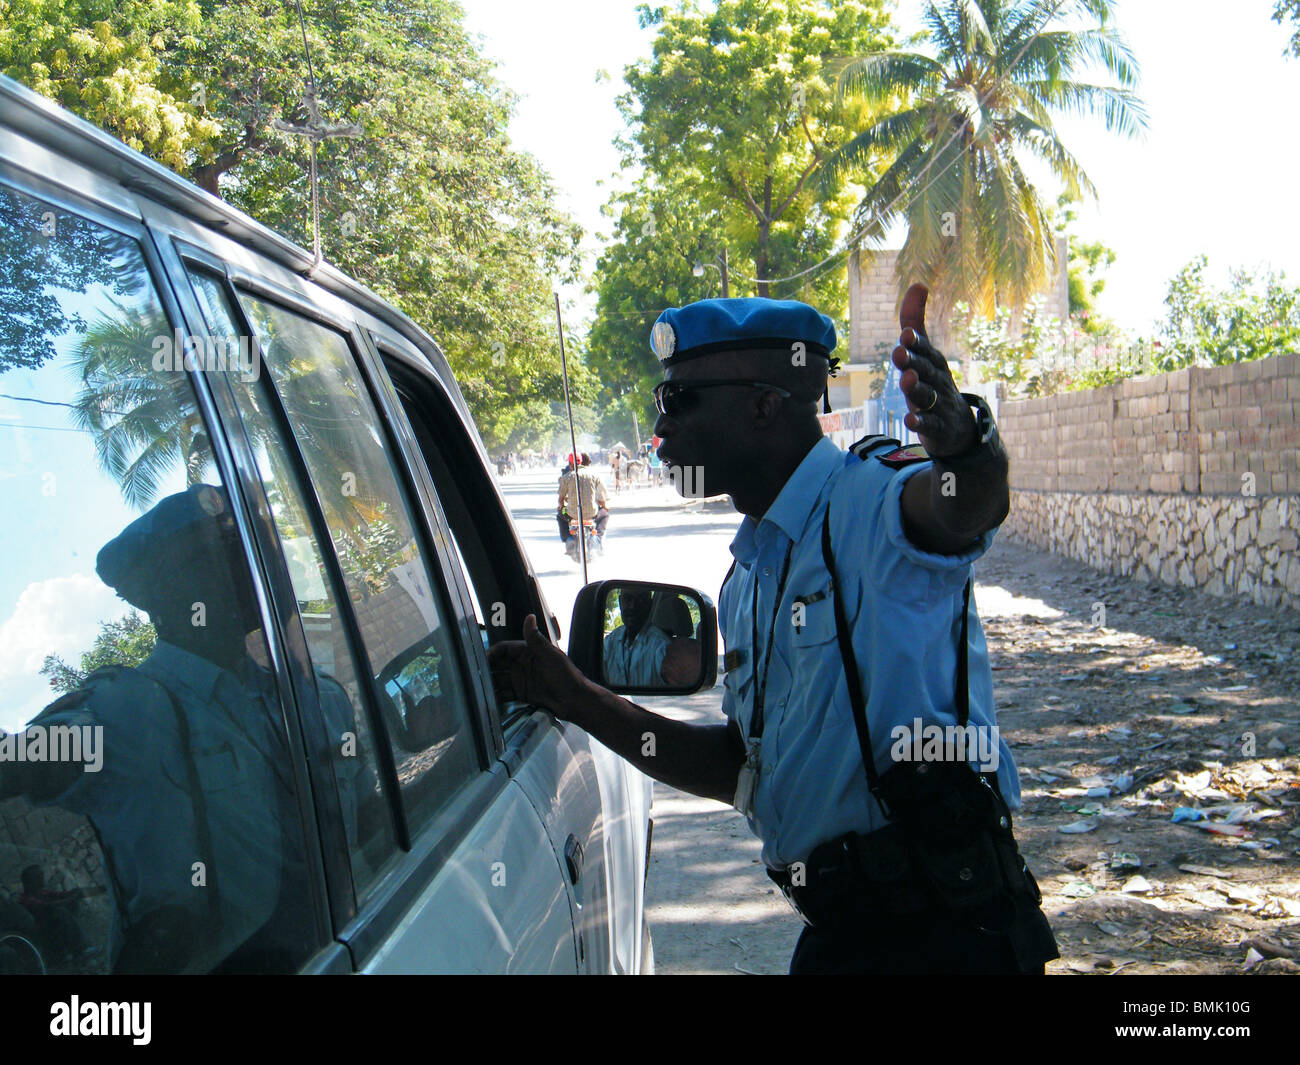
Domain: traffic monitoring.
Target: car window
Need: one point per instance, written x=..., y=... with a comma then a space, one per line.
x=148, y=817
x=393, y=592
x=367, y=816
x=493, y=569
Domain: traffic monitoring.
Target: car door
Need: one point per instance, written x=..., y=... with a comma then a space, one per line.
x=574, y=794
x=440, y=861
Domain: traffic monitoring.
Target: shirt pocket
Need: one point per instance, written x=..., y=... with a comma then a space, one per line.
x=814, y=618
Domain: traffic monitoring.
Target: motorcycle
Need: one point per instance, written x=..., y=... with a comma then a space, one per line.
x=595, y=542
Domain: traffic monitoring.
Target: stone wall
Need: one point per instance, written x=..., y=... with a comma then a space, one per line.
x=1189, y=478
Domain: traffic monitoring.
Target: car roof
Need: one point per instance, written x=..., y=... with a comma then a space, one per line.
x=45, y=123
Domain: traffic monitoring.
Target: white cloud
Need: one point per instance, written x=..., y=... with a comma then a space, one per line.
x=59, y=616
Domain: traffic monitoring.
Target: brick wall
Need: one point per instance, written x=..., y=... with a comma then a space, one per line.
x=1190, y=477
x=1195, y=431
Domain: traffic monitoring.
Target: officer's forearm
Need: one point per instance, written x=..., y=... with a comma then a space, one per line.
x=945, y=508
x=702, y=759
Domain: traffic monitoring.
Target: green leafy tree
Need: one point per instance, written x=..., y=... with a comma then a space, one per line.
x=1086, y=272
x=730, y=119
x=108, y=61
x=1289, y=9
x=1254, y=317
x=431, y=206
x=128, y=641
x=960, y=120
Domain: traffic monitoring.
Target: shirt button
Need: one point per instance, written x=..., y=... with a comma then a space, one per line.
x=767, y=571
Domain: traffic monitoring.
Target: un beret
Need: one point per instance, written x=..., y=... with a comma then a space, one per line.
x=137, y=562
x=710, y=326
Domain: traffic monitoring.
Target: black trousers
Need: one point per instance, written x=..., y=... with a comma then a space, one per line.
x=922, y=944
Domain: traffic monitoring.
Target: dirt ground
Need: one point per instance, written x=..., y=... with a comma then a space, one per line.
x=1178, y=700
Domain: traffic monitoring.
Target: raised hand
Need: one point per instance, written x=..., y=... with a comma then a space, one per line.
x=937, y=413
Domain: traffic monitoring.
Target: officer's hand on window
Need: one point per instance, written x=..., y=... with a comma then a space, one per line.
x=939, y=415
x=534, y=670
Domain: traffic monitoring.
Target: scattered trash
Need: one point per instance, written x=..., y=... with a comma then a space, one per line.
x=1218, y=829
x=1137, y=885
x=1078, y=889
x=1098, y=793
x=1187, y=813
x=1110, y=928
x=1275, y=745
x=1122, y=783
x=1240, y=893
x=1253, y=958
x=1079, y=826
x=1125, y=861
x=1091, y=809
x=1207, y=870
x=1269, y=948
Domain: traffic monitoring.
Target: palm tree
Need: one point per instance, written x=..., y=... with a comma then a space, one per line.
x=957, y=126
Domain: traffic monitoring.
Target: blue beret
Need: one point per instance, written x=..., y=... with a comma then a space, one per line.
x=709, y=326
x=140, y=561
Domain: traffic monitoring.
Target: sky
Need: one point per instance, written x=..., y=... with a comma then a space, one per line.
x=1215, y=173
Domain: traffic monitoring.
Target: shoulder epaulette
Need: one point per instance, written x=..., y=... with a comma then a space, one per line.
x=862, y=448
x=904, y=456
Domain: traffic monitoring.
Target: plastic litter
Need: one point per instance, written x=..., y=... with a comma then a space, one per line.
x=1079, y=889
x=1187, y=813
x=1079, y=826
x=1124, y=861
x=1137, y=885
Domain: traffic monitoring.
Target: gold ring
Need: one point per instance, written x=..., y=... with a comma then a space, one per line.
x=933, y=401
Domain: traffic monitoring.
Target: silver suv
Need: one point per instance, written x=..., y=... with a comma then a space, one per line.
x=253, y=558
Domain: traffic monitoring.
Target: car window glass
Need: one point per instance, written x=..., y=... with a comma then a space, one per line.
x=372, y=841
x=148, y=821
x=395, y=597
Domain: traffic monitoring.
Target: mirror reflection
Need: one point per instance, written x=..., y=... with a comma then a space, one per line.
x=651, y=638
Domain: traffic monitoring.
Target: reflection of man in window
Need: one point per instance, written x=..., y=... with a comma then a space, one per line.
x=634, y=652
x=194, y=803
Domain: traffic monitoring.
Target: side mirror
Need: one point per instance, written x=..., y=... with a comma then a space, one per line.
x=637, y=638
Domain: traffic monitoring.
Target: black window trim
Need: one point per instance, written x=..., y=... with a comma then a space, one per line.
x=426, y=491
x=318, y=748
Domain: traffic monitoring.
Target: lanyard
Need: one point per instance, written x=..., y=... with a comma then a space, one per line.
x=760, y=680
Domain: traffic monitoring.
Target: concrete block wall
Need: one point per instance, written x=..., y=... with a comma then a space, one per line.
x=1191, y=477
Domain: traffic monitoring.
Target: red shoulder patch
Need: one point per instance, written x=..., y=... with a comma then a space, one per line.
x=904, y=456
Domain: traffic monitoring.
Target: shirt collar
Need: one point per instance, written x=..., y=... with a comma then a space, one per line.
x=795, y=502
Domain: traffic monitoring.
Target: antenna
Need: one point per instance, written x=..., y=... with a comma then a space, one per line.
x=573, y=441
x=315, y=130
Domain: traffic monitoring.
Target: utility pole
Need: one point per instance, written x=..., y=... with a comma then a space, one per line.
x=726, y=285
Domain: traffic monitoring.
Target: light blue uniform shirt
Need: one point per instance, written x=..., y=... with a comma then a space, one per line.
x=904, y=608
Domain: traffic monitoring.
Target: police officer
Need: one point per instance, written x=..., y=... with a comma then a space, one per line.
x=861, y=738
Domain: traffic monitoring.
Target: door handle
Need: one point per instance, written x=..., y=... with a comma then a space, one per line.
x=573, y=858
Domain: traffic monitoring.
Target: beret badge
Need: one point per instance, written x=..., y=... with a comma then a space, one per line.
x=663, y=340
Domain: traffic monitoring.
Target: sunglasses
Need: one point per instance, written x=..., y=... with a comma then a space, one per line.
x=674, y=398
